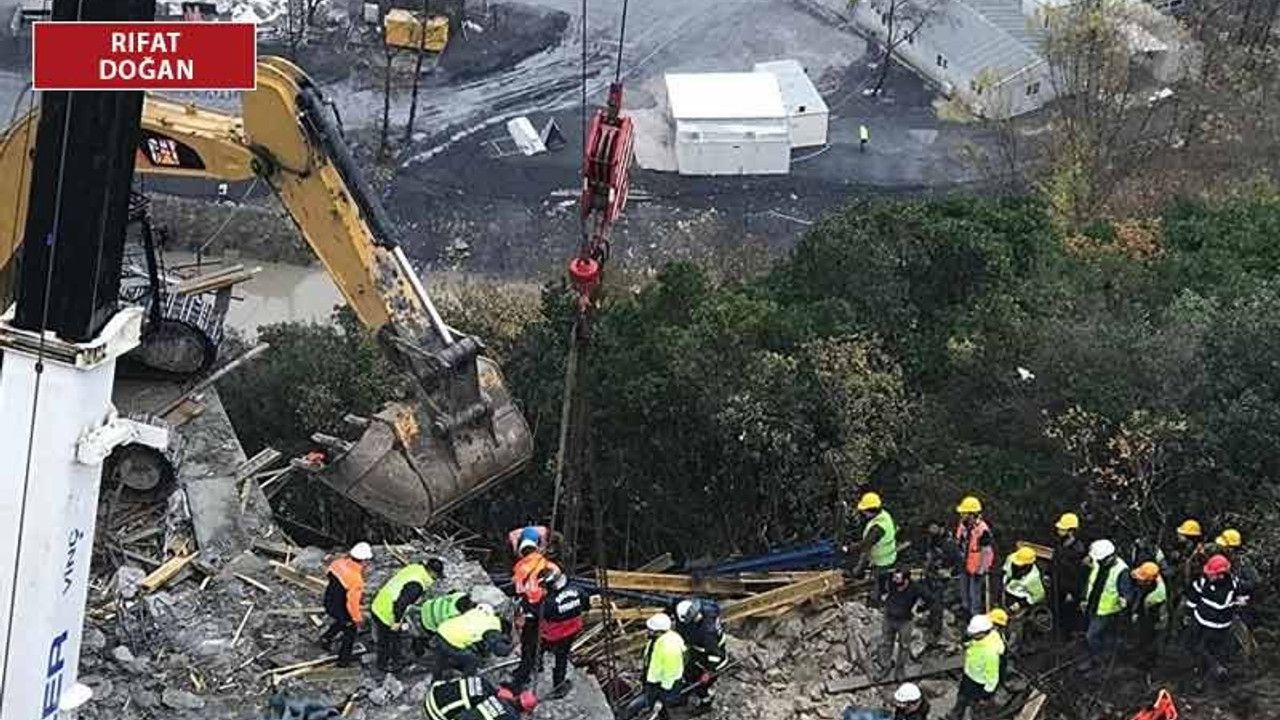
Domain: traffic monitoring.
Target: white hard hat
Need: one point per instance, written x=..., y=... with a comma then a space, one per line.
x=659, y=622
x=361, y=551
x=979, y=624
x=906, y=694
x=1101, y=550
x=526, y=542
x=686, y=610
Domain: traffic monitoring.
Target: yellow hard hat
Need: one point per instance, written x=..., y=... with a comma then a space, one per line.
x=970, y=504
x=869, y=501
x=998, y=617
x=1146, y=572
x=1024, y=556
x=1229, y=538
x=1068, y=521
x=1190, y=528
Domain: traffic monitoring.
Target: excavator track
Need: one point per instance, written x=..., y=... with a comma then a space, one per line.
x=184, y=341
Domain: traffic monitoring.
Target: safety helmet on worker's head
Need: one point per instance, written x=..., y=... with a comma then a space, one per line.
x=1023, y=557
x=1101, y=550
x=1190, y=528
x=361, y=551
x=999, y=617
x=907, y=694
x=658, y=623
x=969, y=504
x=1146, y=572
x=1229, y=538
x=869, y=501
x=1217, y=565
x=979, y=624
x=688, y=611
x=1068, y=521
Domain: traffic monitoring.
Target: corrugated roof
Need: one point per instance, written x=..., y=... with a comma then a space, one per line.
x=798, y=90
x=724, y=96
x=987, y=34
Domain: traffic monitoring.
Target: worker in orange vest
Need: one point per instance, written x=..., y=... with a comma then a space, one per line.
x=529, y=544
x=978, y=553
x=342, y=600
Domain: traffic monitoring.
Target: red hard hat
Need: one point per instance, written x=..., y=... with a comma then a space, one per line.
x=1217, y=565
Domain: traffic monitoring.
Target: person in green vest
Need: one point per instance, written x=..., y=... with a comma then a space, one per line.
x=981, y=666
x=664, y=668
x=1150, y=603
x=879, y=544
x=430, y=613
x=391, y=605
x=1104, y=599
x=461, y=641
x=1023, y=589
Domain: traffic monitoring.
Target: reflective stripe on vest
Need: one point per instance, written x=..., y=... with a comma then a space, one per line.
x=438, y=609
x=1157, y=596
x=524, y=576
x=1110, y=603
x=885, y=552
x=982, y=661
x=466, y=688
x=977, y=559
x=383, y=606
x=1029, y=588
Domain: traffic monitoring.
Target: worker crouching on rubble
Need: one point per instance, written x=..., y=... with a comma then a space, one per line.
x=698, y=623
x=390, y=608
x=462, y=641
x=981, y=666
x=909, y=703
x=342, y=598
x=475, y=698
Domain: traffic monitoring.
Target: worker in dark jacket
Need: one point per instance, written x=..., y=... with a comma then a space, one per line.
x=1212, y=602
x=899, y=614
x=1150, y=604
x=698, y=623
x=1067, y=573
x=475, y=698
x=342, y=599
x=562, y=609
x=940, y=560
x=391, y=605
x=909, y=703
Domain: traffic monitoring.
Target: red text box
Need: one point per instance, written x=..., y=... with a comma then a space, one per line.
x=144, y=56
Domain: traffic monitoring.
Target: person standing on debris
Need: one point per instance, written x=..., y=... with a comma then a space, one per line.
x=973, y=536
x=664, y=665
x=529, y=544
x=879, y=544
x=1230, y=543
x=475, y=698
x=940, y=560
x=342, y=598
x=1000, y=622
x=1186, y=559
x=909, y=703
x=461, y=641
x=560, y=624
x=1023, y=587
x=698, y=623
x=391, y=605
x=1104, y=599
x=1150, y=603
x=899, y=618
x=1213, y=602
x=1067, y=573
x=981, y=666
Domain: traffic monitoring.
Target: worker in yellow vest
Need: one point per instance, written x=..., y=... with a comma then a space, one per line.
x=462, y=641
x=981, y=666
x=1024, y=589
x=664, y=665
x=391, y=604
x=878, y=547
x=1104, y=599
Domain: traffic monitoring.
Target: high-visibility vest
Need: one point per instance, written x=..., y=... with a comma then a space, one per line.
x=1029, y=588
x=1156, y=603
x=977, y=559
x=524, y=576
x=666, y=660
x=438, y=609
x=885, y=552
x=447, y=699
x=982, y=661
x=383, y=606
x=468, y=628
x=1110, y=602
x=351, y=575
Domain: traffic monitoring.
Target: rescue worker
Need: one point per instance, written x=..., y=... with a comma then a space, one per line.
x=664, y=665
x=940, y=560
x=462, y=641
x=1000, y=621
x=899, y=616
x=432, y=612
x=1150, y=603
x=1212, y=602
x=1023, y=585
x=878, y=547
x=981, y=666
x=1230, y=543
x=560, y=625
x=977, y=547
x=475, y=698
x=529, y=545
x=342, y=598
x=909, y=703
x=1104, y=599
x=1186, y=559
x=1067, y=574
x=1146, y=550
x=699, y=626
x=391, y=604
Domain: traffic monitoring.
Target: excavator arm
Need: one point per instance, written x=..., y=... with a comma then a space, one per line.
x=461, y=431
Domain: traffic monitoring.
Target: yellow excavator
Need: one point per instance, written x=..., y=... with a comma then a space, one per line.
x=460, y=432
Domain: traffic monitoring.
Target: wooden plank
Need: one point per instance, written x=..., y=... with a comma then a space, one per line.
x=217, y=375
x=209, y=282
x=298, y=666
x=166, y=572
x=252, y=583
x=679, y=584
x=281, y=550
x=1031, y=710
x=183, y=412
x=1043, y=552
x=265, y=458
x=301, y=579
x=662, y=563
x=285, y=612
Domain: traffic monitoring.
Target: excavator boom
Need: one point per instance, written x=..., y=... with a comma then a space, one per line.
x=461, y=430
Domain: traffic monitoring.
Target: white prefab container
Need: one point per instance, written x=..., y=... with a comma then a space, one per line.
x=806, y=110
x=729, y=124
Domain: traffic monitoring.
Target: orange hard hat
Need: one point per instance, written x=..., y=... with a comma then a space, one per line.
x=1146, y=572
